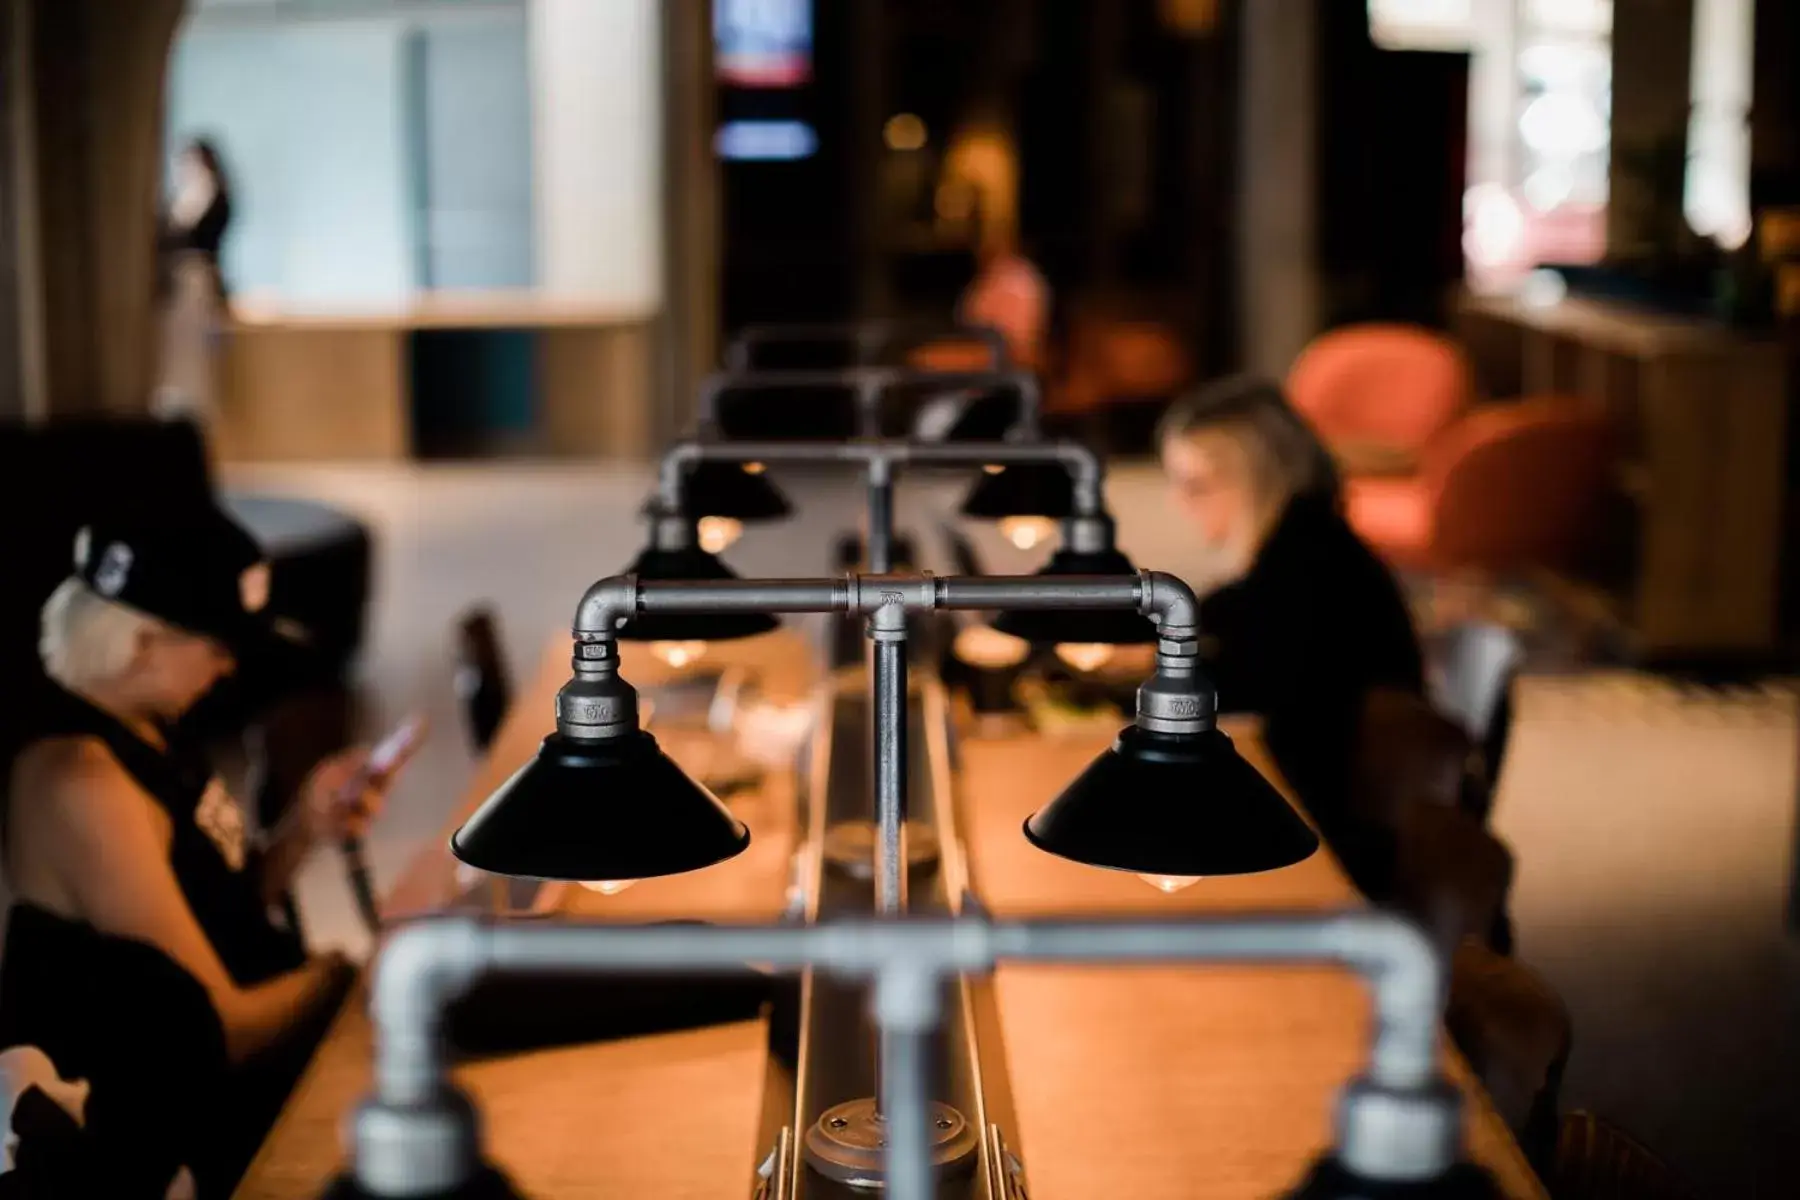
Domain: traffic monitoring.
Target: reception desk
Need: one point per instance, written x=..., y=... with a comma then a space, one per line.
x=556, y=376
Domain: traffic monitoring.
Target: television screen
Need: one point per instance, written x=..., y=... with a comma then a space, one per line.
x=763, y=43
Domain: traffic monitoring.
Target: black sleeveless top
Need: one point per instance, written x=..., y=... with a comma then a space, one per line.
x=119, y=1012
x=209, y=850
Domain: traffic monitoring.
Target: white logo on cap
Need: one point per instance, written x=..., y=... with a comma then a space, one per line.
x=115, y=565
x=253, y=587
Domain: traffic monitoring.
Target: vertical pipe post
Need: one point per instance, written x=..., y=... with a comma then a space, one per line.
x=887, y=626
x=880, y=539
x=906, y=1010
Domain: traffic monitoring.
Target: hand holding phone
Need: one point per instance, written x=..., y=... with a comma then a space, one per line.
x=384, y=761
x=392, y=752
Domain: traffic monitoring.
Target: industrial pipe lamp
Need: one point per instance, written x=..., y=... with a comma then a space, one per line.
x=1398, y=1129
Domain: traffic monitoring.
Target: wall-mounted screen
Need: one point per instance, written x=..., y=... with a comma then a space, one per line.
x=763, y=43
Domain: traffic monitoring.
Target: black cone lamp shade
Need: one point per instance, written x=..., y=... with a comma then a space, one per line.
x=1113, y=627
x=1172, y=805
x=1329, y=1180
x=604, y=808
x=689, y=562
x=487, y=1184
x=1022, y=490
x=726, y=489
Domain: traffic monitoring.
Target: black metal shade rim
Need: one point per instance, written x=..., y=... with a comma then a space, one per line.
x=1222, y=817
x=1329, y=1179
x=721, y=489
x=697, y=864
x=1021, y=490
x=1174, y=868
x=545, y=822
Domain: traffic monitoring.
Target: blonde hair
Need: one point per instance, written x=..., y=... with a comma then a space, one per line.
x=1288, y=457
x=84, y=638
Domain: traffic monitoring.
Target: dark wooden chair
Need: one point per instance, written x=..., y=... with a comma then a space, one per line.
x=1474, y=667
x=1516, y=1033
x=483, y=683
x=1597, y=1161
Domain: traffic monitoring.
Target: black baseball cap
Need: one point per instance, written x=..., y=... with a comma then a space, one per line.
x=197, y=570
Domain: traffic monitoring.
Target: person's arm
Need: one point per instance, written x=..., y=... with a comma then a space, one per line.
x=283, y=854
x=111, y=858
x=338, y=800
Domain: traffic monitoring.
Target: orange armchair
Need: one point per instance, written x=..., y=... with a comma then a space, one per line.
x=1380, y=386
x=1509, y=486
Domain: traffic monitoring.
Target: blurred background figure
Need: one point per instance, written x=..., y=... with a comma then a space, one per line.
x=191, y=284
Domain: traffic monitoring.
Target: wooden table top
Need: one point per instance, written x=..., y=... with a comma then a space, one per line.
x=542, y=1114
x=1192, y=1083
x=1265, y=1048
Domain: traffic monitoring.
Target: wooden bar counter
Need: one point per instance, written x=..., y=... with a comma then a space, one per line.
x=1146, y=1082
x=1189, y=1083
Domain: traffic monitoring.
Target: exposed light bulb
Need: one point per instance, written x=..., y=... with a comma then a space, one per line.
x=754, y=468
x=985, y=646
x=678, y=654
x=1027, y=532
x=612, y=887
x=1168, y=885
x=992, y=468
x=1085, y=656
x=716, y=533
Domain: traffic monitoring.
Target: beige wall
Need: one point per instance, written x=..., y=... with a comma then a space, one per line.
x=1278, y=275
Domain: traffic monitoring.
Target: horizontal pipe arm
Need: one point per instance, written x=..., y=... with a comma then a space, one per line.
x=620, y=597
x=423, y=967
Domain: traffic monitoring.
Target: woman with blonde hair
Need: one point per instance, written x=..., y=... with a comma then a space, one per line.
x=1303, y=622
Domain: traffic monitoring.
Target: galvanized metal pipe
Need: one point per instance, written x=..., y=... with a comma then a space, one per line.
x=1398, y=1122
x=888, y=629
x=618, y=598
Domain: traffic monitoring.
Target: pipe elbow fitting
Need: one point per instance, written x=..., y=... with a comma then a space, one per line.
x=423, y=967
x=1173, y=604
x=605, y=606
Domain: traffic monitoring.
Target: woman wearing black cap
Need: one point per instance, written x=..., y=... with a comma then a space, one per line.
x=134, y=876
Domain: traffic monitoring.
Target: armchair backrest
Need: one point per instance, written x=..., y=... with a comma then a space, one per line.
x=1518, y=484
x=1396, y=385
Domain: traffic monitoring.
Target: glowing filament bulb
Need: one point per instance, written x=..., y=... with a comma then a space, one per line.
x=1085, y=656
x=1168, y=885
x=754, y=468
x=1027, y=532
x=985, y=646
x=612, y=887
x=716, y=533
x=678, y=654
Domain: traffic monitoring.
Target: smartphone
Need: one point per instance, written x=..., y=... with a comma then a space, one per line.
x=392, y=751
